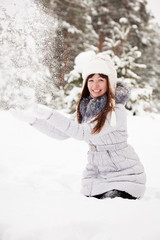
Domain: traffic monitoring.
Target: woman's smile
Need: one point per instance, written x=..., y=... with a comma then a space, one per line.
x=97, y=85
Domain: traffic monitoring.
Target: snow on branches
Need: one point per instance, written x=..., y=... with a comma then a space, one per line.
x=25, y=33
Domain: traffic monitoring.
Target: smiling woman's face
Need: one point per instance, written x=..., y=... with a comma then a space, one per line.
x=97, y=85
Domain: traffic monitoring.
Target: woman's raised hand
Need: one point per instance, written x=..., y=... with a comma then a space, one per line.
x=42, y=111
x=23, y=115
x=36, y=111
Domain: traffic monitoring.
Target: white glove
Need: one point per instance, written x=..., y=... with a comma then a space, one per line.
x=37, y=111
x=23, y=115
x=42, y=112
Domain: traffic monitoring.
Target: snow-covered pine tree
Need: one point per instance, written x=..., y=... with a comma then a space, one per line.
x=150, y=56
x=145, y=34
x=125, y=58
x=74, y=34
x=71, y=33
x=25, y=36
x=100, y=17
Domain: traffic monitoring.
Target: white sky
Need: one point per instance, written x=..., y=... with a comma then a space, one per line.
x=154, y=6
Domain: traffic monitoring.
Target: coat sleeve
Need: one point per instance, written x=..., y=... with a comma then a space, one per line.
x=69, y=127
x=121, y=117
x=61, y=127
x=83, y=131
x=48, y=129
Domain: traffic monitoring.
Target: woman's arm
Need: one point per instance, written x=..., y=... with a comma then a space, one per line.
x=61, y=126
x=36, y=117
x=70, y=127
x=48, y=129
x=83, y=131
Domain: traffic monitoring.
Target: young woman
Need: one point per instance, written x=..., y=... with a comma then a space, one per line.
x=113, y=168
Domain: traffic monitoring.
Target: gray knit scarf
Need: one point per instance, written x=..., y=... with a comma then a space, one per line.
x=90, y=107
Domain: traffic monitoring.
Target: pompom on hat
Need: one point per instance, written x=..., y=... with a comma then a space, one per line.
x=101, y=64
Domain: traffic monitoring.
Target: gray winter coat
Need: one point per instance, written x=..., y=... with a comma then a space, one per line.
x=112, y=162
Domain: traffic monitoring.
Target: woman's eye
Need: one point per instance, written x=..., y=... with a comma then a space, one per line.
x=101, y=79
x=90, y=80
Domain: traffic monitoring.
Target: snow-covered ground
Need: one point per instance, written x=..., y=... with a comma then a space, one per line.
x=40, y=181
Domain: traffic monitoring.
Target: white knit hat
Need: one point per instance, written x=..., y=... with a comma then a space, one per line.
x=102, y=64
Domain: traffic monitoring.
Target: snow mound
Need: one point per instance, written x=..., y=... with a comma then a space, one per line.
x=40, y=180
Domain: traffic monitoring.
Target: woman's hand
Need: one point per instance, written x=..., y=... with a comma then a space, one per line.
x=23, y=115
x=37, y=111
x=122, y=93
x=42, y=111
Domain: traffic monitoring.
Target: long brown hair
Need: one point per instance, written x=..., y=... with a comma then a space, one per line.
x=109, y=107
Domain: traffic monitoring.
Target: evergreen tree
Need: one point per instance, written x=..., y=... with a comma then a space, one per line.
x=70, y=34
x=125, y=58
x=143, y=34
x=101, y=21
x=74, y=33
x=25, y=41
